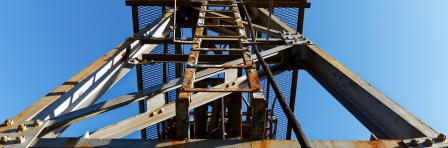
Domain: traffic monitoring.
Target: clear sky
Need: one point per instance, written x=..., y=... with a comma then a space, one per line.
x=397, y=46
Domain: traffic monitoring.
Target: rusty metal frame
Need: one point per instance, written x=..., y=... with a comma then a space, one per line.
x=137, y=143
x=197, y=3
x=72, y=101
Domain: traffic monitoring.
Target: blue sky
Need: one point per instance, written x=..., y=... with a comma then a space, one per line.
x=398, y=46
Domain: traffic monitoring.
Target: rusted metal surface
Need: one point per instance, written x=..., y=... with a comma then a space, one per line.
x=217, y=89
x=251, y=3
x=366, y=103
x=193, y=143
x=292, y=99
x=181, y=58
x=143, y=120
x=183, y=101
x=288, y=112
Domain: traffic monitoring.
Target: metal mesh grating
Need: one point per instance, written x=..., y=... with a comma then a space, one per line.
x=283, y=80
x=152, y=74
x=287, y=15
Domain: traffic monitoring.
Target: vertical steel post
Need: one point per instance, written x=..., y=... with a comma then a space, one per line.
x=292, y=99
x=141, y=104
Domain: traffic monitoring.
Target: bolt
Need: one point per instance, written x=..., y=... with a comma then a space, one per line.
x=152, y=114
x=441, y=137
x=20, y=139
x=37, y=123
x=161, y=111
x=4, y=139
x=21, y=127
x=428, y=142
x=8, y=122
x=414, y=143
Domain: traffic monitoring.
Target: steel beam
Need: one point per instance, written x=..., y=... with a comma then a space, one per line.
x=195, y=3
x=193, y=143
x=132, y=97
x=87, y=85
x=378, y=113
x=140, y=121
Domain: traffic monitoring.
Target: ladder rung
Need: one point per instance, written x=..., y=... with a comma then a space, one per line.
x=216, y=90
x=218, y=66
x=219, y=49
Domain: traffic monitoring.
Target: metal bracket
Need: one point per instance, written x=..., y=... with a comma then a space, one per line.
x=439, y=141
x=22, y=134
x=293, y=38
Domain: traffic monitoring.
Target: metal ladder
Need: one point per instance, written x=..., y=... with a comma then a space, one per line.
x=258, y=102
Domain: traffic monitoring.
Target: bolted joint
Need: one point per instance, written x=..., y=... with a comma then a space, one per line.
x=8, y=122
x=20, y=139
x=37, y=123
x=414, y=143
x=21, y=127
x=428, y=142
x=4, y=139
x=161, y=111
x=441, y=137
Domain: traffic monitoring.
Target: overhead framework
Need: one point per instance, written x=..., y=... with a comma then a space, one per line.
x=213, y=73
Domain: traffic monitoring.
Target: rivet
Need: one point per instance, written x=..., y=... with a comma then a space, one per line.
x=37, y=123
x=441, y=137
x=161, y=111
x=152, y=114
x=414, y=143
x=8, y=122
x=21, y=127
x=4, y=139
x=428, y=142
x=20, y=139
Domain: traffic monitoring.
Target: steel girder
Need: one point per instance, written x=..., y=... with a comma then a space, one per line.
x=378, y=113
x=383, y=117
x=194, y=143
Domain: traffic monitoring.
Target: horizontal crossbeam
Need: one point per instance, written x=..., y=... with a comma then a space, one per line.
x=196, y=3
x=137, y=143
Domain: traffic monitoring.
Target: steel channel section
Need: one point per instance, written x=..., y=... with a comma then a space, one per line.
x=288, y=112
x=147, y=93
x=193, y=143
x=382, y=116
x=184, y=99
x=258, y=102
x=88, y=85
x=130, y=125
x=197, y=3
x=140, y=121
x=84, y=88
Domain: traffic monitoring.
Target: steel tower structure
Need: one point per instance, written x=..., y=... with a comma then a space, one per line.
x=213, y=73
